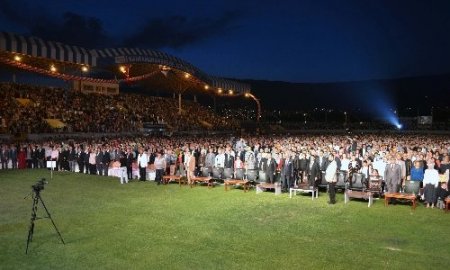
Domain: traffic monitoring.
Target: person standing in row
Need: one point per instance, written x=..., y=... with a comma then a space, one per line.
x=190, y=166
x=142, y=162
x=330, y=177
x=392, y=175
x=160, y=166
x=313, y=171
x=430, y=183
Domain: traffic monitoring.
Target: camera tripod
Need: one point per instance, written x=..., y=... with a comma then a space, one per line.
x=36, y=198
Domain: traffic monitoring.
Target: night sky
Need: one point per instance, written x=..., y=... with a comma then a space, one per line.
x=294, y=41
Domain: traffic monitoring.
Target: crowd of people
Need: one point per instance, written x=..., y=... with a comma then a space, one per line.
x=289, y=160
x=81, y=112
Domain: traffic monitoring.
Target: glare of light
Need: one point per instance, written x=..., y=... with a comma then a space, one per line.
x=187, y=75
x=17, y=58
x=206, y=87
x=399, y=126
x=164, y=68
x=84, y=69
x=52, y=68
x=123, y=69
x=247, y=95
x=230, y=91
x=219, y=90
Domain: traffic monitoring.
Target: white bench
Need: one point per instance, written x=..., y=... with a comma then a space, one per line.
x=312, y=190
x=119, y=172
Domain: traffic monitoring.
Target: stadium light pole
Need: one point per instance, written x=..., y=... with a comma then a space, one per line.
x=258, y=104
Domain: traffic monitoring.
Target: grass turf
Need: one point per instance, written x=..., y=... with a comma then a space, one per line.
x=144, y=226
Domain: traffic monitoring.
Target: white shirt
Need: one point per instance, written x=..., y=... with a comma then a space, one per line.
x=365, y=171
x=431, y=176
x=220, y=161
x=344, y=164
x=142, y=160
x=379, y=165
x=160, y=163
x=330, y=172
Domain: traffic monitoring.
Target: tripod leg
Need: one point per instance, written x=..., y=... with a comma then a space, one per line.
x=50, y=217
x=33, y=218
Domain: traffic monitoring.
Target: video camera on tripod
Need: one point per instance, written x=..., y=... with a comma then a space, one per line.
x=36, y=199
x=39, y=185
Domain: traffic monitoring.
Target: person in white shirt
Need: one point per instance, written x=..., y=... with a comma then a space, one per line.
x=430, y=182
x=220, y=159
x=142, y=162
x=160, y=166
x=344, y=163
x=330, y=177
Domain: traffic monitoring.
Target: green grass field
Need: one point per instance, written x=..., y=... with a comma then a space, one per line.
x=144, y=226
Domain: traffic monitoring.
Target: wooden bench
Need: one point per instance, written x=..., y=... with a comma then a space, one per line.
x=167, y=178
x=401, y=196
x=232, y=182
x=264, y=186
x=202, y=179
x=366, y=195
x=447, y=204
x=305, y=189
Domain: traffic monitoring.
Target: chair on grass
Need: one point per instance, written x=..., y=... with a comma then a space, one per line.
x=217, y=173
x=251, y=175
x=228, y=173
x=412, y=187
x=239, y=174
x=205, y=171
x=262, y=177
x=357, y=182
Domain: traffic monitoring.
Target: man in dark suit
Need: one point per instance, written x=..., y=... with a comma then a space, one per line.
x=129, y=156
x=323, y=164
x=392, y=175
x=229, y=160
x=4, y=157
x=99, y=161
x=322, y=161
x=81, y=157
x=106, y=159
x=271, y=168
x=287, y=172
x=313, y=172
x=34, y=156
x=13, y=156
x=41, y=157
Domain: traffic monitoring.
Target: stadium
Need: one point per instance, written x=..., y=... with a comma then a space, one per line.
x=134, y=157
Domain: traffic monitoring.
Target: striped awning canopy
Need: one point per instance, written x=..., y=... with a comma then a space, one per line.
x=37, y=47
x=139, y=59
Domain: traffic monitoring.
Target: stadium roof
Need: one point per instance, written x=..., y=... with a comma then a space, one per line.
x=130, y=64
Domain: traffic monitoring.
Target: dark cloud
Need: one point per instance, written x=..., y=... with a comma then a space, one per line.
x=69, y=27
x=180, y=31
x=74, y=29
x=16, y=12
